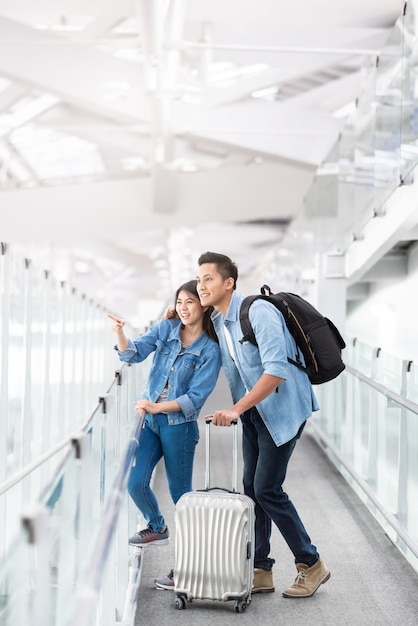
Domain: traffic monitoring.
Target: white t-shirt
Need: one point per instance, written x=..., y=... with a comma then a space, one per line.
x=229, y=342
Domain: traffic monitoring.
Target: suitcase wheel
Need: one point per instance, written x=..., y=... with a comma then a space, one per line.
x=241, y=605
x=180, y=603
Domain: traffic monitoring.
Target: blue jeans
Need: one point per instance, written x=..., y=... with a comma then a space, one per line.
x=177, y=444
x=265, y=466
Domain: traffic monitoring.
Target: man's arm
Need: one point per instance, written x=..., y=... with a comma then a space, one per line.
x=265, y=385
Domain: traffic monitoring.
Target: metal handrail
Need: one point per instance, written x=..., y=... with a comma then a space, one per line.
x=30, y=467
x=392, y=395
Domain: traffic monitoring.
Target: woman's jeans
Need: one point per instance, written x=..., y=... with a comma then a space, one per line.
x=265, y=466
x=176, y=443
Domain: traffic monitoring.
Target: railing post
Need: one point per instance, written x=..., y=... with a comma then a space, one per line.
x=4, y=383
x=350, y=414
x=373, y=425
x=35, y=522
x=102, y=448
x=403, y=451
x=45, y=441
x=70, y=532
x=81, y=443
x=118, y=379
x=26, y=441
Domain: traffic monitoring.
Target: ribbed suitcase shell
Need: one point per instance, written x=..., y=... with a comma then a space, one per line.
x=214, y=549
x=214, y=545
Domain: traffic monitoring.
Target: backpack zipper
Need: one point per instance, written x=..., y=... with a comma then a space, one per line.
x=291, y=314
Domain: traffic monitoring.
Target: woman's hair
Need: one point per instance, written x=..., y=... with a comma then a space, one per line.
x=226, y=267
x=191, y=287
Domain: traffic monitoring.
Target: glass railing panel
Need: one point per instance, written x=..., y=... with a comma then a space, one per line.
x=387, y=370
x=360, y=355
x=56, y=350
x=388, y=105
x=410, y=460
x=67, y=548
x=355, y=152
x=46, y=376
x=14, y=584
x=331, y=418
x=368, y=423
x=385, y=436
x=360, y=426
x=409, y=129
x=412, y=385
x=71, y=508
x=30, y=575
x=110, y=440
x=356, y=195
x=322, y=197
x=378, y=146
x=106, y=567
x=15, y=362
x=36, y=329
x=27, y=488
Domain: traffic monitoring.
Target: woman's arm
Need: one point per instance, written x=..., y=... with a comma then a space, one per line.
x=157, y=407
x=117, y=328
x=202, y=383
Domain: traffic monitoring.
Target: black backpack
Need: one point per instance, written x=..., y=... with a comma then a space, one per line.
x=315, y=335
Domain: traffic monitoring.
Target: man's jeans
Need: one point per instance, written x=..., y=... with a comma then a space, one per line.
x=265, y=466
x=176, y=443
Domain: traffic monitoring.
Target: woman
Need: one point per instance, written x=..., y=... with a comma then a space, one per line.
x=184, y=372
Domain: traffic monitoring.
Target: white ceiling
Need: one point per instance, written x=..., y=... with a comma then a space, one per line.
x=136, y=134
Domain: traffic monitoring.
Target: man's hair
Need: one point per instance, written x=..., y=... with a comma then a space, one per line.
x=226, y=267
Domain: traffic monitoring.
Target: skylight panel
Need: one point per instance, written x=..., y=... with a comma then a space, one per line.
x=53, y=154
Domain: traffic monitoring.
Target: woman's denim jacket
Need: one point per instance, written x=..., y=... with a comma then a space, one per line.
x=285, y=409
x=191, y=376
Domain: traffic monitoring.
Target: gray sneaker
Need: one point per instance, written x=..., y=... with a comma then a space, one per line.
x=149, y=536
x=165, y=582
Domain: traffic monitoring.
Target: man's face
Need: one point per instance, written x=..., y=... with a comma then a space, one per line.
x=213, y=290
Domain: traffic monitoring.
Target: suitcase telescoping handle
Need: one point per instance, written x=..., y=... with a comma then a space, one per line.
x=208, y=420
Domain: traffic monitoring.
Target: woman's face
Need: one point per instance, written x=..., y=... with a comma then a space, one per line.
x=188, y=308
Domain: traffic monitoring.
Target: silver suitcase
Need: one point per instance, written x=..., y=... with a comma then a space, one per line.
x=214, y=548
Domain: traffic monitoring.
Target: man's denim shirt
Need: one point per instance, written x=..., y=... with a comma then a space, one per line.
x=191, y=377
x=285, y=409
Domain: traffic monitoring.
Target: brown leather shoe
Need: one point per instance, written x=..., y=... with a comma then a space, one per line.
x=308, y=580
x=262, y=581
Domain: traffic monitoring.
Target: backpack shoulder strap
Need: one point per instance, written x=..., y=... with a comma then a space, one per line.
x=248, y=333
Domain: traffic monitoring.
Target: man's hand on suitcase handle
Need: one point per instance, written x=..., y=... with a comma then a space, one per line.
x=223, y=418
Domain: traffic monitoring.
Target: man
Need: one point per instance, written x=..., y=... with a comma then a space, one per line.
x=273, y=399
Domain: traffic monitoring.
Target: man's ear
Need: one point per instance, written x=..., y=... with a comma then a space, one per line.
x=230, y=283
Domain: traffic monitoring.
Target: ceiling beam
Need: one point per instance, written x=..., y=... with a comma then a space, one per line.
x=55, y=68
x=222, y=195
